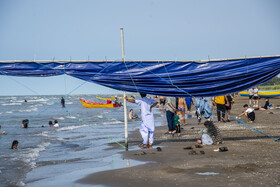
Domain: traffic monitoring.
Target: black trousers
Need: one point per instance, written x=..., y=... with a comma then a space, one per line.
x=221, y=109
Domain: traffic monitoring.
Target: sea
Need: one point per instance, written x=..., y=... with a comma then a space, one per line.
x=50, y=156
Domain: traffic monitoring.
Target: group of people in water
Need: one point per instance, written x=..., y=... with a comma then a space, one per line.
x=25, y=123
x=176, y=108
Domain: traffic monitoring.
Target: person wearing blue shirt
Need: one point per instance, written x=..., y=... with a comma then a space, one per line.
x=189, y=103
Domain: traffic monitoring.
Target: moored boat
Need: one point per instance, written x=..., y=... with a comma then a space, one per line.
x=112, y=98
x=269, y=93
x=92, y=104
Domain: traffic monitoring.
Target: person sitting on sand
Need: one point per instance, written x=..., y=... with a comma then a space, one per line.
x=177, y=123
x=266, y=105
x=55, y=123
x=148, y=125
x=205, y=138
x=14, y=144
x=25, y=123
x=214, y=132
x=131, y=116
x=249, y=113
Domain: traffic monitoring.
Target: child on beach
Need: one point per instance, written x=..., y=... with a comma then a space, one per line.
x=249, y=113
x=177, y=123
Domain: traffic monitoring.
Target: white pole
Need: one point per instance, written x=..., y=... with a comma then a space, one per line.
x=124, y=95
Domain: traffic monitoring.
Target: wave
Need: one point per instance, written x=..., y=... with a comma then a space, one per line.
x=9, y=112
x=71, y=128
x=29, y=110
x=10, y=104
x=38, y=100
x=59, y=118
x=30, y=155
x=70, y=117
x=111, y=122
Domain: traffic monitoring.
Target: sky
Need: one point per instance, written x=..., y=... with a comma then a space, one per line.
x=153, y=30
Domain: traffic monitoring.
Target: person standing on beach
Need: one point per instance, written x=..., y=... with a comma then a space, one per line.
x=228, y=106
x=256, y=97
x=189, y=103
x=182, y=108
x=250, y=96
x=62, y=102
x=170, y=106
x=148, y=125
x=220, y=102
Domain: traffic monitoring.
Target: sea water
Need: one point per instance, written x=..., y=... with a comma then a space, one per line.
x=59, y=155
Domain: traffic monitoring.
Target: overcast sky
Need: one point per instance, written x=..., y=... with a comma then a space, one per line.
x=154, y=30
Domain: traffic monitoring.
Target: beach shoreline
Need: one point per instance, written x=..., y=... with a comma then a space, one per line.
x=252, y=159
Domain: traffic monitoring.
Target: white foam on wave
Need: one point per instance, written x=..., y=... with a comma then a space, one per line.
x=29, y=110
x=38, y=100
x=60, y=118
x=44, y=133
x=9, y=112
x=99, y=116
x=70, y=117
x=29, y=155
x=69, y=103
x=111, y=122
x=10, y=104
x=20, y=183
x=70, y=128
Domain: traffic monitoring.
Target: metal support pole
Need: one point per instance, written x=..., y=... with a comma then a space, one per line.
x=124, y=95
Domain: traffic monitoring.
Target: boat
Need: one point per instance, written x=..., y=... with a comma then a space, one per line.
x=92, y=104
x=112, y=98
x=269, y=93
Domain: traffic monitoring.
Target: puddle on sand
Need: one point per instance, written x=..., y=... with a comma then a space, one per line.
x=207, y=173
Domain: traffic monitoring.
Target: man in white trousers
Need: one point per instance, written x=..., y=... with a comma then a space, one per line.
x=148, y=125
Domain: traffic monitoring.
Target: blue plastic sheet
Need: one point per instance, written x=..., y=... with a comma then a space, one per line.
x=168, y=78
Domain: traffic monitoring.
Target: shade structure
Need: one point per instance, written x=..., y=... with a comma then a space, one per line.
x=167, y=78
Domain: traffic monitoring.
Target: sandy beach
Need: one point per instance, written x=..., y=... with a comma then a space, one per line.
x=252, y=160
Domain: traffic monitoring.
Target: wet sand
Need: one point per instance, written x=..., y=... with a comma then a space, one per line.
x=252, y=160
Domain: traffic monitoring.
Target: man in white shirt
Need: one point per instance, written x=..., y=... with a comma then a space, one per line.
x=256, y=97
x=148, y=125
x=249, y=113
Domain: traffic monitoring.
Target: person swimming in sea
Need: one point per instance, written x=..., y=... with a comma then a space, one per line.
x=55, y=123
x=25, y=123
x=50, y=123
x=131, y=116
x=14, y=144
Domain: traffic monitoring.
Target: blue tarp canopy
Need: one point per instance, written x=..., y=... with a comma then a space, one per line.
x=168, y=78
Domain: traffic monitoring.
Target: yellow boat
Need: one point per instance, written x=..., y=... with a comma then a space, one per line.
x=92, y=104
x=112, y=98
x=269, y=93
